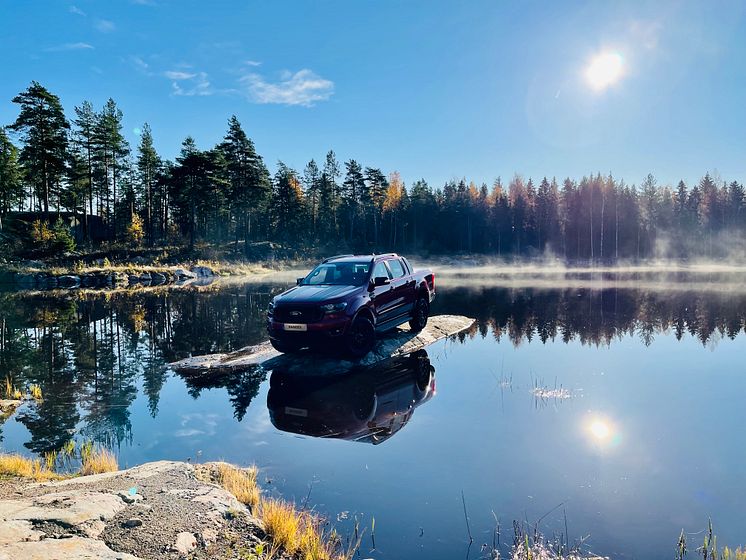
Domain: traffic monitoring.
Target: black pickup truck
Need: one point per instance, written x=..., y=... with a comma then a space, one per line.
x=347, y=299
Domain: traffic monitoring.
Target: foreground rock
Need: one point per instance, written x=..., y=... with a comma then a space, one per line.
x=399, y=342
x=176, y=514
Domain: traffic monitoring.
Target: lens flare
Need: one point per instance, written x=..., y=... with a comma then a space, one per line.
x=604, y=70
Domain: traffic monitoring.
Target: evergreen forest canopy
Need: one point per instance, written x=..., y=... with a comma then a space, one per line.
x=84, y=167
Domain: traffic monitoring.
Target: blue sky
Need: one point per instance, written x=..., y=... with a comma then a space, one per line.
x=433, y=89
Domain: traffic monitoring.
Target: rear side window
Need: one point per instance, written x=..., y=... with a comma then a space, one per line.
x=380, y=270
x=396, y=268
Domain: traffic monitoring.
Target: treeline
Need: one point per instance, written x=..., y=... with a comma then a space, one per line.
x=120, y=194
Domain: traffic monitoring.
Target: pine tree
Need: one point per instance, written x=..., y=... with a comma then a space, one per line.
x=110, y=154
x=148, y=166
x=248, y=179
x=84, y=141
x=43, y=128
x=312, y=183
x=287, y=204
x=11, y=188
x=353, y=189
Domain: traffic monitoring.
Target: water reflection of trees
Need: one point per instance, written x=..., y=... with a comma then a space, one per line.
x=92, y=354
x=596, y=317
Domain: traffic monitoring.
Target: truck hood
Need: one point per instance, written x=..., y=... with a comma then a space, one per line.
x=315, y=294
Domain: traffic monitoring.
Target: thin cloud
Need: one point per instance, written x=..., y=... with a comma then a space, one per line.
x=195, y=85
x=70, y=47
x=252, y=63
x=178, y=75
x=304, y=88
x=77, y=11
x=104, y=25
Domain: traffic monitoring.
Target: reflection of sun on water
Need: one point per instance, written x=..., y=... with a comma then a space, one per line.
x=604, y=70
x=601, y=432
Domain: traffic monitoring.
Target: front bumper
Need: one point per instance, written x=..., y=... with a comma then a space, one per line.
x=321, y=331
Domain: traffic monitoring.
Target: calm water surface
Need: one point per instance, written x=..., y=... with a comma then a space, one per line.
x=639, y=435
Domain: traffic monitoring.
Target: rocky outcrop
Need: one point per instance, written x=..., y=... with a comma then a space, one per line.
x=111, y=279
x=399, y=342
x=175, y=514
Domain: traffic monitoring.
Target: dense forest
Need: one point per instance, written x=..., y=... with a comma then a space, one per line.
x=112, y=194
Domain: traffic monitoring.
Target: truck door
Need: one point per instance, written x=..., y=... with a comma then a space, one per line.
x=403, y=285
x=382, y=296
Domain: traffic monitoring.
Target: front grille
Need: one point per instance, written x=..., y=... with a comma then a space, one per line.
x=297, y=313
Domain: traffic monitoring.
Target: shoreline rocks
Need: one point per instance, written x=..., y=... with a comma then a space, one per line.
x=111, y=279
x=86, y=517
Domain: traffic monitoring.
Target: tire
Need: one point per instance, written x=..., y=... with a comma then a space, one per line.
x=420, y=314
x=284, y=347
x=360, y=337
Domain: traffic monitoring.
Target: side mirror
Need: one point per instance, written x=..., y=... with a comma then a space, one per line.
x=298, y=281
x=381, y=281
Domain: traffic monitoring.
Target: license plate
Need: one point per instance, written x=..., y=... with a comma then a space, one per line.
x=302, y=412
x=295, y=327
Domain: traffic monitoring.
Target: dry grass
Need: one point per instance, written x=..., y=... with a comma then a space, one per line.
x=23, y=467
x=97, y=460
x=240, y=482
x=35, y=391
x=299, y=533
x=10, y=390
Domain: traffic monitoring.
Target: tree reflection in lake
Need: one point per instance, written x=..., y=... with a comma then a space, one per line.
x=92, y=353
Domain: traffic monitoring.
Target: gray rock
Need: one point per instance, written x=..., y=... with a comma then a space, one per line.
x=185, y=543
x=180, y=273
x=26, y=280
x=203, y=271
x=132, y=523
x=68, y=281
x=156, y=278
x=130, y=498
x=399, y=342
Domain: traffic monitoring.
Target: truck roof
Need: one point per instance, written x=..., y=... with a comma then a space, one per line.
x=361, y=257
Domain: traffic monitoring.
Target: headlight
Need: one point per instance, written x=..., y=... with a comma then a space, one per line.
x=334, y=307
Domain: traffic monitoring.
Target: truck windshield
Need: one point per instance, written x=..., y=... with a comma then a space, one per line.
x=338, y=274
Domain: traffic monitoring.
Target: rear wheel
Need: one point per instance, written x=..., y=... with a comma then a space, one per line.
x=419, y=314
x=360, y=337
x=285, y=347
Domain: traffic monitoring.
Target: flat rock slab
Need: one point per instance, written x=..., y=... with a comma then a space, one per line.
x=399, y=342
x=88, y=518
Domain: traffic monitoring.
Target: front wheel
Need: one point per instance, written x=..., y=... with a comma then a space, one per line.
x=360, y=337
x=420, y=314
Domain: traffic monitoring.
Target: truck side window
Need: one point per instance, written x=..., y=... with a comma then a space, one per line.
x=380, y=270
x=396, y=268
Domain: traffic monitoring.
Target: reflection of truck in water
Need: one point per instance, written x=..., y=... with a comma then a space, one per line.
x=368, y=405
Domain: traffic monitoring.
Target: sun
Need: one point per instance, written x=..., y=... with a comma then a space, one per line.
x=604, y=70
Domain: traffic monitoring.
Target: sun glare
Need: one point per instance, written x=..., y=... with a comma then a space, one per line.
x=604, y=70
x=600, y=430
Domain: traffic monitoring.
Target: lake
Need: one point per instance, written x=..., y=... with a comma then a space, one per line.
x=610, y=413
